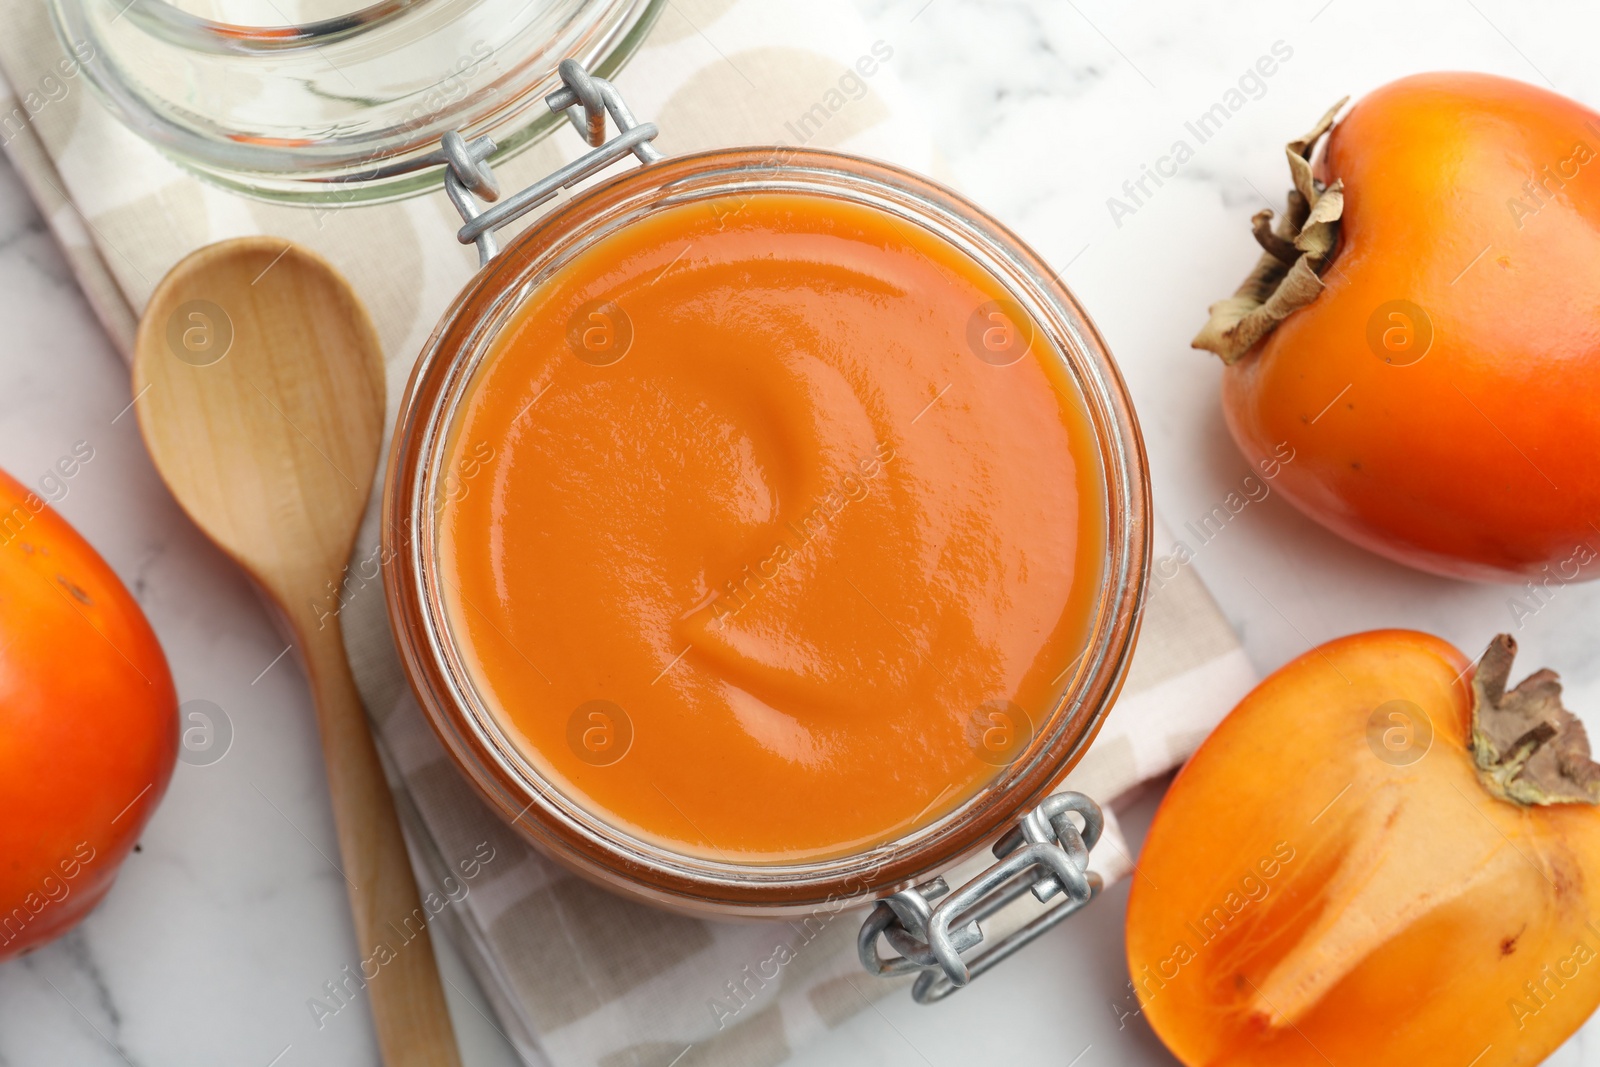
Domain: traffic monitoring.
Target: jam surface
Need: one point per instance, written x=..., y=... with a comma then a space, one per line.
x=770, y=532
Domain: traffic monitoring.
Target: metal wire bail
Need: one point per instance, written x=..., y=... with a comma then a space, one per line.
x=587, y=101
x=1044, y=853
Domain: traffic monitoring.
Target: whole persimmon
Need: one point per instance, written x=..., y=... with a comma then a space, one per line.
x=1423, y=331
x=88, y=722
x=1382, y=856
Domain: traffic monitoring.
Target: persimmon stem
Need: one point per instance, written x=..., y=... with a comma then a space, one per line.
x=1287, y=277
x=1279, y=248
x=1528, y=748
x=1525, y=747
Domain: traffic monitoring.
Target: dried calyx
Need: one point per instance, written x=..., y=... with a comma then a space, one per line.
x=1528, y=748
x=1295, y=252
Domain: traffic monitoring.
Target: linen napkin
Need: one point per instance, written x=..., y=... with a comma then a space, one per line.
x=576, y=975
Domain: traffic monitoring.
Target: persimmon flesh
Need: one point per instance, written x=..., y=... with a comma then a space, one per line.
x=1349, y=871
x=748, y=539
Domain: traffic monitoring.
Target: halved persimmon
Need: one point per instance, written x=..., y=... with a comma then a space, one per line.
x=1381, y=856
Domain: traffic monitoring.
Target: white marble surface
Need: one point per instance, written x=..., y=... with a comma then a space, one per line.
x=229, y=917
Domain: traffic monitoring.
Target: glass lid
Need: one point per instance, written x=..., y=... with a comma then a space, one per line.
x=338, y=101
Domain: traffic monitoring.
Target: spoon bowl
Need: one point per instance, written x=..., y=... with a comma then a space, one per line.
x=260, y=393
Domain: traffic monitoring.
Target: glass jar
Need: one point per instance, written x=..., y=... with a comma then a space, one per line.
x=1041, y=847
x=340, y=101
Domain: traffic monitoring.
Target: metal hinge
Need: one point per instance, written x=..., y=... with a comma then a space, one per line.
x=1045, y=853
x=586, y=100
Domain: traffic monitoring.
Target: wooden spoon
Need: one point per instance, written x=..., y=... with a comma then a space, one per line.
x=258, y=382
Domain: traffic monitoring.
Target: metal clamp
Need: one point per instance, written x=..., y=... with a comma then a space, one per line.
x=1045, y=853
x=586, y=100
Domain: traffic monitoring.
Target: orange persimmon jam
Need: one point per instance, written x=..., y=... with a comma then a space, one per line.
x=771, y=534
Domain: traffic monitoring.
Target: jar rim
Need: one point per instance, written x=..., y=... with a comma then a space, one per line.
x=560, y=825
x=166, y=20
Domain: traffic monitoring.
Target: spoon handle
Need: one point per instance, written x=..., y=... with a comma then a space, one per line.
x=397, y=962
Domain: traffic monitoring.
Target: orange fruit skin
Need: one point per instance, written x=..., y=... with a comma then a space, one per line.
x=1301, y=900
x=1476, y=460
x=88, y=723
